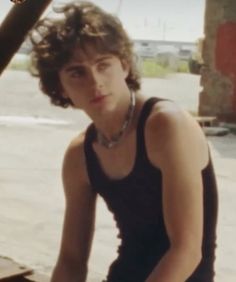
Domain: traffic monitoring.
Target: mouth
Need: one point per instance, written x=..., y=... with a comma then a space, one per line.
x=97, y=99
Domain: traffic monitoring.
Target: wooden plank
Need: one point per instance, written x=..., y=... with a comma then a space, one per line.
x=14, y=272
x=206, y=120
x=36, y=277
x=11, y=269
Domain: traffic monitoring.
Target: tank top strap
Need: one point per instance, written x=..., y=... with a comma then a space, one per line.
x=93, y=167
x=146, y=110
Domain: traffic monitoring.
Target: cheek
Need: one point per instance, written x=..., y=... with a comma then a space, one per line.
x=118, y=76
x=72, y=86
x=123, y=76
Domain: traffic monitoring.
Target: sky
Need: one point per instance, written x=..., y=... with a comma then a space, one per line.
x=177, y=20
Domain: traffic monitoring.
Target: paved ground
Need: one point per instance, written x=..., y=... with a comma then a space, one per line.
x=31, y=197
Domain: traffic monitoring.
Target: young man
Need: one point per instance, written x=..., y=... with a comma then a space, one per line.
x=147, y=158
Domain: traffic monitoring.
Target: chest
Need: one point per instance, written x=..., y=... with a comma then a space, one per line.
x=119, y=161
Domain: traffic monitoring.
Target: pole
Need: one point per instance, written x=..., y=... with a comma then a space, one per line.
x=16, y=25
x=119, y=7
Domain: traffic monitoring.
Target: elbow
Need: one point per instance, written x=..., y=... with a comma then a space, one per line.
x=191, y=255
x=194, y=257
x=197, y=257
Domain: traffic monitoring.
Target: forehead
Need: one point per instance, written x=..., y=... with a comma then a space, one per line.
x=88, y=55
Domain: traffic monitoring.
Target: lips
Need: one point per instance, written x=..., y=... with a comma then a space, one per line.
x=98, y=98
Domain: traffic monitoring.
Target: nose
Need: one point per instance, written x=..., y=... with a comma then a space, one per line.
x=96, y=79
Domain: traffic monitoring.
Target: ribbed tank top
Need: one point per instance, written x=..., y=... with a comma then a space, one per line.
x=136, y=204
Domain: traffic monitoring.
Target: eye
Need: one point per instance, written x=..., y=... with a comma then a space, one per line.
x=78, y=72
x=103, y=66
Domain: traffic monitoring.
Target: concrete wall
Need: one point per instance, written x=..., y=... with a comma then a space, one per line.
x=219, y=54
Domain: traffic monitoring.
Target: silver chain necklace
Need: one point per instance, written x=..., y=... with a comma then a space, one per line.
x=116, y=138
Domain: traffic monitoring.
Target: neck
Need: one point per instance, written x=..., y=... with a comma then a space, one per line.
x=111, y=122
x=124, y=117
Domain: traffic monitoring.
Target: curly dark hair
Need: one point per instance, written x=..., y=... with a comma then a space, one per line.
x=82, y=23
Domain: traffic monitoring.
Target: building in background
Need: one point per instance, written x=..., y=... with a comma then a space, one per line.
x=152, y=48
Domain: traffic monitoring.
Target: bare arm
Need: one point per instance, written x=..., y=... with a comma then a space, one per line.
x=180, y=152
x=78, y=220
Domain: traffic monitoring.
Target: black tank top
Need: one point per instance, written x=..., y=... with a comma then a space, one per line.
x=135, y=202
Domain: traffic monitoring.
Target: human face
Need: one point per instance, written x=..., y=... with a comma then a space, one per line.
x=94, y=81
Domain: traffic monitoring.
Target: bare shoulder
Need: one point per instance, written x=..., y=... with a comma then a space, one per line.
x=170, y=130
x=74, y=170
x=168, y=117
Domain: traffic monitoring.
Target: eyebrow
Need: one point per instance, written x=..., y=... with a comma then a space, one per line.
x=105, y=57
x=80, y=64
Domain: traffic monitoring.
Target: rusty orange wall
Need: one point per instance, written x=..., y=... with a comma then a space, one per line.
x=225, y=55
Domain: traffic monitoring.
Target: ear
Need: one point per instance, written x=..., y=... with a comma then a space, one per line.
x=126, y=68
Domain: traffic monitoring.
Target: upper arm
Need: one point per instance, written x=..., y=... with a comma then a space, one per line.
x=178, y=149
x=80, y=199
